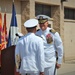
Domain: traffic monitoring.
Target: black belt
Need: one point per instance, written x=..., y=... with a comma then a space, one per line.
x=27, y=74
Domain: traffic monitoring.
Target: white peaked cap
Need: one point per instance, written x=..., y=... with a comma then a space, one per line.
x=31, y=23
x=44, y=16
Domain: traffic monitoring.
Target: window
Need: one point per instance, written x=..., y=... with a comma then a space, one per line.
x=42, y=9
x=69, y=13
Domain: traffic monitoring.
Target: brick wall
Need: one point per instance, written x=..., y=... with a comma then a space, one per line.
x=25, y=12
x=55, y=14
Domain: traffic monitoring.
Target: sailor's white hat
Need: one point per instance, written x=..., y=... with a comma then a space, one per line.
x=31, y=23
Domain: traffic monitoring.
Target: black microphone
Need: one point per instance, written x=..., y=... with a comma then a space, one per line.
x=18, y=35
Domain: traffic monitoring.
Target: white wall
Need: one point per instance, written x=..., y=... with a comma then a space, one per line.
x=69, y=39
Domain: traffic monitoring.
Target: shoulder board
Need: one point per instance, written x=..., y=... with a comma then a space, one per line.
x=53, y=31
x=38, y=29
x=39, y=36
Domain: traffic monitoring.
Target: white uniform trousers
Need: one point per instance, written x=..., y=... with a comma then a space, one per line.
x=50, y=70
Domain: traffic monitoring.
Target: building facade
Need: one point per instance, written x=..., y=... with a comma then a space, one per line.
x=62, y=13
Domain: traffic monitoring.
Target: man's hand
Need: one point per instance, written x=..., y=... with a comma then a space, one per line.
x=58, y=65
x=41, y=73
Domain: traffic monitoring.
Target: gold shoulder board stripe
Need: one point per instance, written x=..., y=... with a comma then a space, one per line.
x=53, y=31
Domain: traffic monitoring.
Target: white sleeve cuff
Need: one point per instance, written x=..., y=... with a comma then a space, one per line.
x=59, y=60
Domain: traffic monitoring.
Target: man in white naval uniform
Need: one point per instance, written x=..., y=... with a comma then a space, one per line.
x=29, y=52
x=52, y=44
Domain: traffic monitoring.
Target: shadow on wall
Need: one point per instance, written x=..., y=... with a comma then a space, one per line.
x=7, y=6
x=70, y=62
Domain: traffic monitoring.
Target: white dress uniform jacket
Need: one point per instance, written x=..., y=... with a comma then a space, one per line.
x=31, y=54
x=51, y=48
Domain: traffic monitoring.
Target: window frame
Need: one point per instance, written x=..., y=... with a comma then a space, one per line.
x=43, y=9
x=69, y=13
